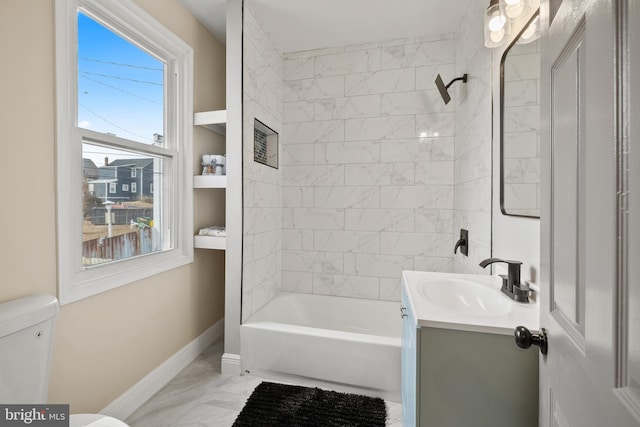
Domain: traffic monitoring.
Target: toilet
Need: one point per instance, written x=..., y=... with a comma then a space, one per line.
x=26, y=337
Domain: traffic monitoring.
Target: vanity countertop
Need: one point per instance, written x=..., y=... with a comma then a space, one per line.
x=429, y=314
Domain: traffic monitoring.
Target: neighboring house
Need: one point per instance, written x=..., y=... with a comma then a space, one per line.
x=89, y=174
x=124, y=180
x=89, y=169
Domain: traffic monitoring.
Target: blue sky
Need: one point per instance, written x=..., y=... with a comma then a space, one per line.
x=120, y=86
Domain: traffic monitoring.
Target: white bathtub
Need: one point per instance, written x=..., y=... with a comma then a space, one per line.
x=349, y=344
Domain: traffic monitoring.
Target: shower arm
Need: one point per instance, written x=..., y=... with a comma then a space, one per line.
x=463, y=78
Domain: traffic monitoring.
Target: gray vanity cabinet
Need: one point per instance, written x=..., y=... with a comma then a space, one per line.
x=459, y=379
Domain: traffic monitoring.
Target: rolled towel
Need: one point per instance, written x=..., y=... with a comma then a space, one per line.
x=217, y=231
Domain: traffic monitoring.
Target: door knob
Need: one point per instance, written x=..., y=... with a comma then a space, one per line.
x=525, y=339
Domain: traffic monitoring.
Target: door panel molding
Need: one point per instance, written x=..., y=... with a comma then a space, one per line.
x=556, y=416
x=566, y=280
x=570, y=328
x=630, y=399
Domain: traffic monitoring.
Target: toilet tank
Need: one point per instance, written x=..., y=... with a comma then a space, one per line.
x=26, y=332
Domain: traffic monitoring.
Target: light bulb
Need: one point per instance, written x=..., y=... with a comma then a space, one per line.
x=496, y=22
x=513, y=11
x=497, y=36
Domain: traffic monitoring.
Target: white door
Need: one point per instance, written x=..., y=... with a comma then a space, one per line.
x=590, y=264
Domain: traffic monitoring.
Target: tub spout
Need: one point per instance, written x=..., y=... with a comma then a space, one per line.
x=459, y=243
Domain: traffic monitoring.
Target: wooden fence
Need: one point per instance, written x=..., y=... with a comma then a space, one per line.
x=98, y=251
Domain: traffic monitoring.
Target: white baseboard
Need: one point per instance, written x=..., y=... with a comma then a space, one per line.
x=230, y=364
x=132, y=399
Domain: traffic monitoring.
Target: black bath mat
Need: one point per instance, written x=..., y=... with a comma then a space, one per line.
x=281, y=405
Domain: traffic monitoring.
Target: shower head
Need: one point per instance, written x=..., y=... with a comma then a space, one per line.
x=444, y=90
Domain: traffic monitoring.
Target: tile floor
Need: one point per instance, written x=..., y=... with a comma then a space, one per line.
x=201, y=396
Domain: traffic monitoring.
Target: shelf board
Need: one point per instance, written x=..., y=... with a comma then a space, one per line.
x=215, y=121
x=210, y=181
x=210, y=242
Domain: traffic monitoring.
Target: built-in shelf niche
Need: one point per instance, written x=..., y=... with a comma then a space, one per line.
x=210, y=242
x=210, y=181
x=215, y=121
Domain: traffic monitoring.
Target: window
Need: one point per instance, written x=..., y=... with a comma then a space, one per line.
x=124, y=102
x=151, y=188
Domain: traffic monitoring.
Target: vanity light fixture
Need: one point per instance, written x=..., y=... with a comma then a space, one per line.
x=496, y=27
x=498, y=19
x=515, y=9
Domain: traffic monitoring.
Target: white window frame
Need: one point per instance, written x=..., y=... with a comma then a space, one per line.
x=134, y=173
x=113, y=187
x=134, y=187
x=124, y=17
x=125, y=187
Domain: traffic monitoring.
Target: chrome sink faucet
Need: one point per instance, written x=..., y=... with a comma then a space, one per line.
x=511, y=285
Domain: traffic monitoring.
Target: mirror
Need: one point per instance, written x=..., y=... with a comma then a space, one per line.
x=520, y=124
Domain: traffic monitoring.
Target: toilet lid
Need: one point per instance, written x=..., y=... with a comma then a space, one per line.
x=94, y=420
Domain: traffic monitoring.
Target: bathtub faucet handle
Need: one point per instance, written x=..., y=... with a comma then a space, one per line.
x=462, y=243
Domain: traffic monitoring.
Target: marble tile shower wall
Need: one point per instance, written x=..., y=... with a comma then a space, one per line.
x=472, y=204
x=368, y=185
x=262, y=240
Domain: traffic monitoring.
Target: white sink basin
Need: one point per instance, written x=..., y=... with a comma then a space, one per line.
x=464, y=297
